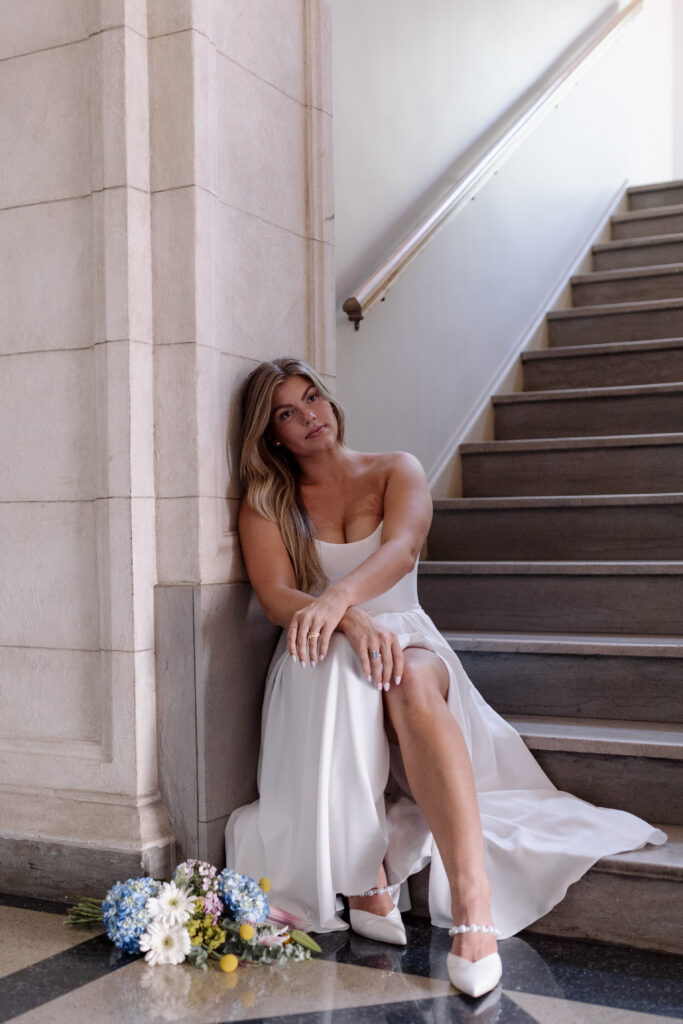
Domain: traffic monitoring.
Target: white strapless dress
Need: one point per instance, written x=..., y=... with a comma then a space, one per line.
x=334, y=801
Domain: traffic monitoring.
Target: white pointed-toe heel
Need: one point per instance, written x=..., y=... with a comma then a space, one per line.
x=474, y=978
x=381, y=928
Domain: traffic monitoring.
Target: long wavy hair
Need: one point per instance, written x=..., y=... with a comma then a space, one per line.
x=270, y=473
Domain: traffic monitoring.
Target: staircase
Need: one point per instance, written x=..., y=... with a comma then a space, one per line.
x=558, y=577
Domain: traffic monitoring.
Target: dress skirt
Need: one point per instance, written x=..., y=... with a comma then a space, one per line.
x=335, y=803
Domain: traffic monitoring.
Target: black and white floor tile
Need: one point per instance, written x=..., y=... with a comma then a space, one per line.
x=50, y=974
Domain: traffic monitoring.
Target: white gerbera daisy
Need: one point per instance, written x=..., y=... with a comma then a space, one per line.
x=172, y=906
x=162, y=945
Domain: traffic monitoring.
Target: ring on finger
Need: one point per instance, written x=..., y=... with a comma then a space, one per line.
x=313, y=636
x=374, y=654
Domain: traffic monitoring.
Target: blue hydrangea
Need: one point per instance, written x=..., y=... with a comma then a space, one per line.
x=124, y=911
x=244, y=899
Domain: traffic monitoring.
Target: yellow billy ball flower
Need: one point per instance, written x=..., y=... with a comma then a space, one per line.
x=264, y=883
x=247, y=932
x=228, y=963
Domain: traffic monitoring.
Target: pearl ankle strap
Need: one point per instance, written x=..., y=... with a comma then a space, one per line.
x=389, y=889
x=488, y=928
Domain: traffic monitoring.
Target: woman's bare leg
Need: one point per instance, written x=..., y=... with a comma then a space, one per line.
x=381, y=904
x=439, y=772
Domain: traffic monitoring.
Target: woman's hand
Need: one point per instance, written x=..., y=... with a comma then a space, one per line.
x=311, y=627
x=378, y=648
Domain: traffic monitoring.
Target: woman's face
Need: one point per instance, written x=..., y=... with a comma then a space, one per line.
x=301, y=419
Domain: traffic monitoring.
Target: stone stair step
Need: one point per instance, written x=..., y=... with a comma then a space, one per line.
x=626, y=362
x=632, y=899
x=626, y=321
x=632, y=766
x=638, y=252
x=605, y=527
x=589, y=412
x=547, y=597
x=662, y=193
x=611, y=677
x=648, y=464
x=631, y=285
x=662, y=220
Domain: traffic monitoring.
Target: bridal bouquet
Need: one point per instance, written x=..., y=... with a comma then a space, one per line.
x=202, y=913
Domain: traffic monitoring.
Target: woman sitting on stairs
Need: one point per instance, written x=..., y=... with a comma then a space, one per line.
x=378, y=754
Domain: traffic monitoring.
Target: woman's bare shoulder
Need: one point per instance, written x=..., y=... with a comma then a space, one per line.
x=390, y=461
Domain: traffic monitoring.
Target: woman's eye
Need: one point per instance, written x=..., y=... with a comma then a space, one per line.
x=285, y=414
x=313, y=395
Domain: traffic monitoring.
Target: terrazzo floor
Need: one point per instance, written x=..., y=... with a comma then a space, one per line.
x=51, y=974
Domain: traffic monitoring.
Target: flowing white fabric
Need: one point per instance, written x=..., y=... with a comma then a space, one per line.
x=325, y=821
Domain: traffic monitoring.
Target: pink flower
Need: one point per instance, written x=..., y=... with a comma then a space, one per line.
x=213, y=905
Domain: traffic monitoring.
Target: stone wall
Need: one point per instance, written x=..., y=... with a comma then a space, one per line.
x=165, y=223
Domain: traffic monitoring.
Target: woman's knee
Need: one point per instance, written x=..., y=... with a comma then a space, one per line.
x=423, y=685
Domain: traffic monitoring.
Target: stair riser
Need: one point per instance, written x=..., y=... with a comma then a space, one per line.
x=605, y=370
x=578, y=686
x=528, y=534
x=595, y=908
x=554, y=603
x=641, y=470
x=638, y=256
x=671, y=224
x=649, y=787
x=653, y=198
x=590, y=417
x=637, y=325
x=635, y=289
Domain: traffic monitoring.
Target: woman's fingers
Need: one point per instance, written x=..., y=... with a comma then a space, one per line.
x=376, y=661
x=397, y=654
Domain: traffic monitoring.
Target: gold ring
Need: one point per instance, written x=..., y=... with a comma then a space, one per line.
x=313, y=636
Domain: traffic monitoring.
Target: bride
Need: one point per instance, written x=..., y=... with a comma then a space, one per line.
x=378, y=755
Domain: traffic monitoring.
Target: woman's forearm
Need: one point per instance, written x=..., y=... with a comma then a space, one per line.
x=378, y=573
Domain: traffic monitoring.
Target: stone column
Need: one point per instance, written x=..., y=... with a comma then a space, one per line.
x=242, y=257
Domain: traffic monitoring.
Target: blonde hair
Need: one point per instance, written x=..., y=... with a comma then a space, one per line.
x=270, y=473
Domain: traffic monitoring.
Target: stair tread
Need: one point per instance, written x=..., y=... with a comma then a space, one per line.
x=607, y=644
x=656, y=186
x=613, y=309
x=559, y=443
x=619, y=567
x=609, y=391
x=656, y=861
x=557, y=501
x=647, y=213
x=634, y=243
x=600, y=736
x=628, y=273
x=608, y=348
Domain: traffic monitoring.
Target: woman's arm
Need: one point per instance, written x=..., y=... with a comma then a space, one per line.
x=407, y=515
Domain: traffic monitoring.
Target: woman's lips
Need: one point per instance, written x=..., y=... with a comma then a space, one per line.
x=315, y=432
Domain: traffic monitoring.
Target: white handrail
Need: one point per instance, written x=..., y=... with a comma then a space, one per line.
x=375, y=287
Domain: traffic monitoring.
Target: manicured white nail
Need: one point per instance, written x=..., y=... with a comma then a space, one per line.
x=386, y=686
x=398, y=680
x=369, y=678
x=312, y=663
x=379, y=686
x=294, y=658
x=303, y=664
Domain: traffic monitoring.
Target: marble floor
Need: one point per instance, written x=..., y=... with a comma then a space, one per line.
x=50, y=973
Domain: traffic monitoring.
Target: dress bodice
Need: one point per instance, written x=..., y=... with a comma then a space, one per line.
x=339, y=560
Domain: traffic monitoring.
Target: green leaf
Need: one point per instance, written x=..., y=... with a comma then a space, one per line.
x=305, y=940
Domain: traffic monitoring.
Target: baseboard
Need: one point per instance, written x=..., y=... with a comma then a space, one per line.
x=445, y=477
